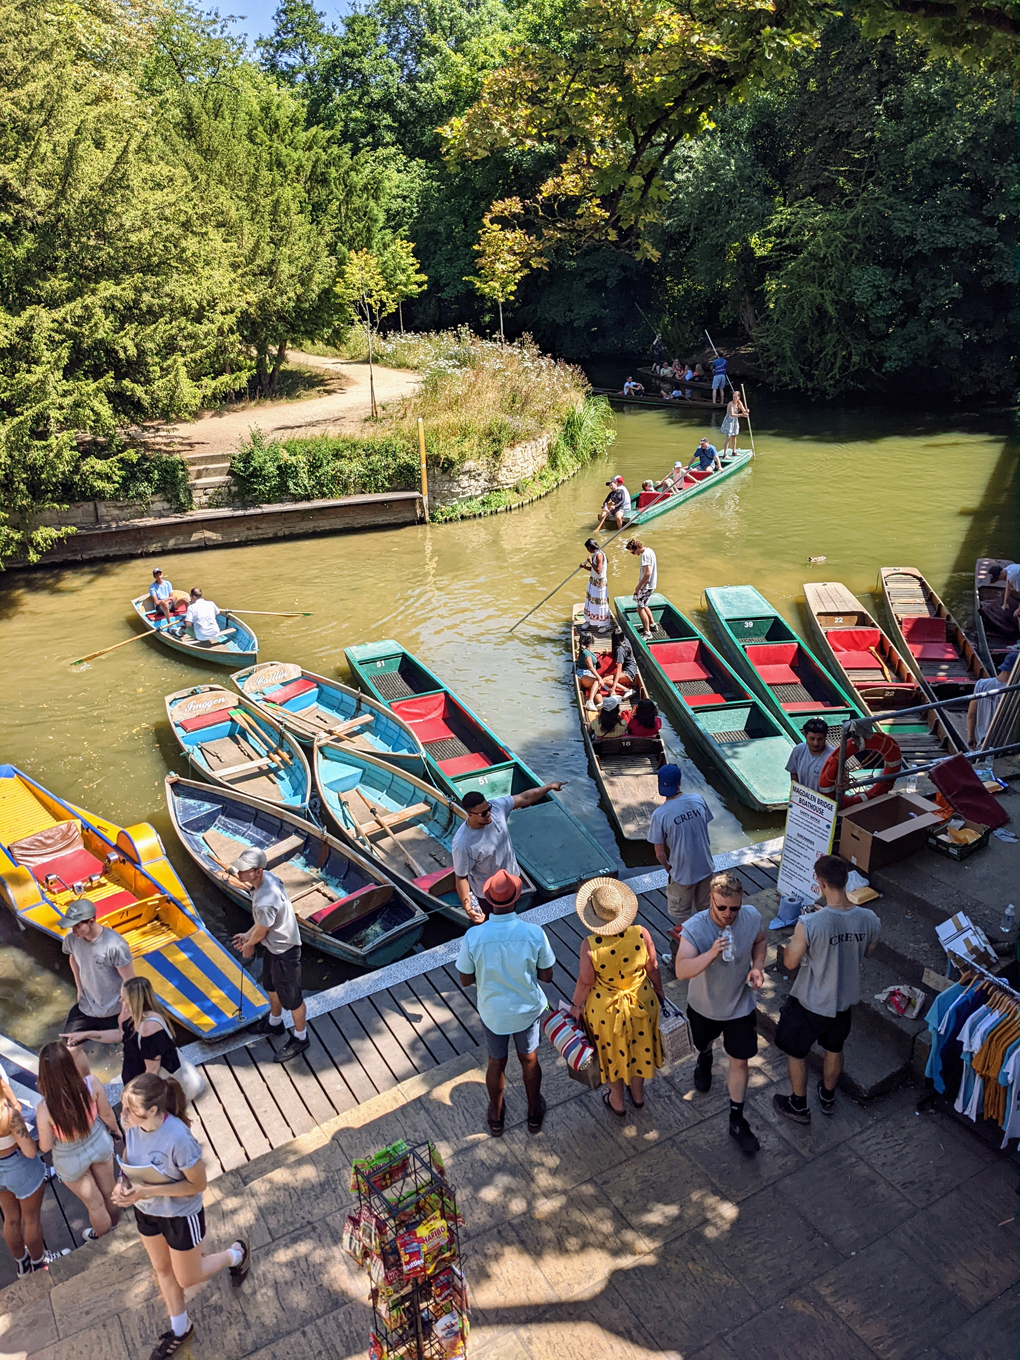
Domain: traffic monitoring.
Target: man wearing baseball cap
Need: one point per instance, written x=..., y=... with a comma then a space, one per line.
x=100, y=961
x=506, y=959
x=679, y=832
x=617, y=504
x=162, y=593
x=276, y=936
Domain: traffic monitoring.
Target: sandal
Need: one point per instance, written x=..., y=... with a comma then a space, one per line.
x=239, y=1273
x=620, y=1114
x=496, y=1125
x=638, y=1104
x=535, y=1120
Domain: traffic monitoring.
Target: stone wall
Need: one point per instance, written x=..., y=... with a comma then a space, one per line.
x=93, y=514
x=476, y=479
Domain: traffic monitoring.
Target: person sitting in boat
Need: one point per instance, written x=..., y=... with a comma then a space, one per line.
x=625, y=674
x=587, y=672
x=706, y=458
x=678, y=393
x=809, y=756
x=645, y=720
x=648, y=495
x=161, y=592
x=633, y=389
x=672, y=479
x=610, y=720
x=203, y=616
x=617, y=504
x=1011, y=574
x=699, y=372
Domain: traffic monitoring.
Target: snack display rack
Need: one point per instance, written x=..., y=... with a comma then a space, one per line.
x=405, y=1232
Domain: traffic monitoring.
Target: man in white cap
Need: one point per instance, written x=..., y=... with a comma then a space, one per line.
x=275, y=933
x=506, y=958
x=100, y=961
x=679, y=832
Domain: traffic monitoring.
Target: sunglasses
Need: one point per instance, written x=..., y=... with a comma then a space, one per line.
x=725, y=908
x=482, y=812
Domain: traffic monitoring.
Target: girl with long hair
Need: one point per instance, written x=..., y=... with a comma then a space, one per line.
x=170, y=1215
x=596, y=600
x=645, y=720
x=148, y=1037
x=76, y=1124
x=22, y=1185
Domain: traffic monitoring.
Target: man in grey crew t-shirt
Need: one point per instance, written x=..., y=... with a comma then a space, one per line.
x=827, y=952
x=679, y=832
x=276, y=935
x=808, y=757
x=720, y=994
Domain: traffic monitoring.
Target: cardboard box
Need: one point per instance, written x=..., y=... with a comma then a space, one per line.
x=963, y=940
x=887, y=829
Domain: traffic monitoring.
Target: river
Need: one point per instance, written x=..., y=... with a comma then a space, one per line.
x=864, y=488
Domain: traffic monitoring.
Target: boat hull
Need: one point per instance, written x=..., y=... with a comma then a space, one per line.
x=693, y=485
x=242, y=646
x=993, y=639
x=738, y=740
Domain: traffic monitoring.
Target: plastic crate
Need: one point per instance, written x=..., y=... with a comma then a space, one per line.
x=953, y=851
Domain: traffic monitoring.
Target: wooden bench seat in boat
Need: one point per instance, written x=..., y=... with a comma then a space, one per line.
x=392, y=819
x=349, y=908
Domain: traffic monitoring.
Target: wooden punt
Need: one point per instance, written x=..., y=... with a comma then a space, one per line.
x=654, y=403
x=696, y=384
x=693, y=484
x=413, y=845
x=232, y=743
x=784, y=672
x=932, y=641
x=345, y=905
x=52, y=852
x=312, y=706
x=865, y=660
x=994, y=628
x=237, y=641
x=736, y=737
x=624, y=767
x=462, y=754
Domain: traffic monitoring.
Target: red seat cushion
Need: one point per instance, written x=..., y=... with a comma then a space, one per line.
x=923, y=628
x=696, y=700
x=859, y=661
x=339, y=913
x=177, y=607
x=434, y=730
x=421, y=708
x=778, y=675
x=114, y=903
x=427, y=882
x=474, y=760
x=675, y=651
x=771, y=653
x=934, y=651
x=686, y=670
x=201, y=720
x=71, y=868
x=647, y=498
x=290, y=691
x=804, y=705
x=605, y=663
x=852, y=639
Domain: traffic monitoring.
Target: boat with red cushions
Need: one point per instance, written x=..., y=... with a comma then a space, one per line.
x=236, y=642
x=651, y=504
x=312, y=706
x=462, y=755
x=737, y=738
x=864, y=658
x=52, y=852
x=232, y=743
x=777, y=665
x=344, y=904
x=932, y=641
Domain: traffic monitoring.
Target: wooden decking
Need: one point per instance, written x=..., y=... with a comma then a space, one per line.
x=375, y=1041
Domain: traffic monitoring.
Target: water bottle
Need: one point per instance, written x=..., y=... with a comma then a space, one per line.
x=727, y=954
x=1008, y=919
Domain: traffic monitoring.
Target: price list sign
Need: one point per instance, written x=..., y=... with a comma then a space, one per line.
x=810, y=825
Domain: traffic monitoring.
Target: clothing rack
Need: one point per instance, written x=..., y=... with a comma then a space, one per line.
x=969, y=966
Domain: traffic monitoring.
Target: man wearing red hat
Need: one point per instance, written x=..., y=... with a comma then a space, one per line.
x=506, y=958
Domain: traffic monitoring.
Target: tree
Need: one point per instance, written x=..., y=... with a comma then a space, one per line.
x=506, y=254
x=401, y=274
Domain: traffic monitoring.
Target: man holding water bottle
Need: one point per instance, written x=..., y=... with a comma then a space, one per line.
x=721, y=952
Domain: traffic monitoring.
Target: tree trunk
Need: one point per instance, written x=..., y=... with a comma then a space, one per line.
x=400, y=313
x=281, y=354
x=501, y=336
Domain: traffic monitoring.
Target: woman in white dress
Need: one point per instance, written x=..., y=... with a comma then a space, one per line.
x=735, y=408
x=596, y=601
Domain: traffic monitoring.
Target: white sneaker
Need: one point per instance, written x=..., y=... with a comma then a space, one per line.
x=49, y=1257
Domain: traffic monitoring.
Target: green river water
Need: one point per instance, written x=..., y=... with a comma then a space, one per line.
x=864, y=488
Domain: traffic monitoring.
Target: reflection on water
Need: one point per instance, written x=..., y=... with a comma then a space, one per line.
x=855, y=488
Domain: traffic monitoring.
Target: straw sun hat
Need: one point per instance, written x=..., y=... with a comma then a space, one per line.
x=606, y=906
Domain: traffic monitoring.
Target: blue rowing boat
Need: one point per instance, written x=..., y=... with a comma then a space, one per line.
x=236, y=641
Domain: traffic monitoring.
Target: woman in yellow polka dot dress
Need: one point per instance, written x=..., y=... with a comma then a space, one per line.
x=618, y=989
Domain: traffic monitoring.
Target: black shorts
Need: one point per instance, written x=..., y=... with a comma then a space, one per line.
x=77, y=1021
x=281, y=973
x=182, y=1234
x=740, y=1036
x=799, y=1028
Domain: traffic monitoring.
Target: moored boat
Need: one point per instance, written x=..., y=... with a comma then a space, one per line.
x=736, y=737
x=995, y=627
x=624, y=767
x=236, y=641
x=462, y=755
x=650, y=504
x=52, y=852
x=400, y=821
x=932, y=641
x=230, y=742
x=775, y=663
x=865, y=660
x=654, y=402
x=345, y=905
x=312, y=706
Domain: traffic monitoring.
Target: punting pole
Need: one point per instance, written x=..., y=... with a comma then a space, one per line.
x=424, y=468
x=749, y=430
x=716, y=352
x=605, y=545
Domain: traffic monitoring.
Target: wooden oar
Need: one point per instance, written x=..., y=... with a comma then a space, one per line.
x=271, y=613
x=888, y=675
x=92, y=655
x=418, y=870
x=242, y=720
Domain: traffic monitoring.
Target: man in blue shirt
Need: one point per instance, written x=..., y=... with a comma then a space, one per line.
x=720, y=377
x=161, y=593
x=506, y=958
x=706, y=456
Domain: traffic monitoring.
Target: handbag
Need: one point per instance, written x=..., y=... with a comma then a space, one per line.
x=187, y=1076
x=572, y=1043
x=675, y=1032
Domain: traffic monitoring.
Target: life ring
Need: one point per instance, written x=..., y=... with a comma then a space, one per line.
x=892, y=760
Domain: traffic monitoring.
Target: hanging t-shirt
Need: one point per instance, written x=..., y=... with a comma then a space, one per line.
x=829, y=978
x=681, y=825
x=985, y=707
x=806, y=768
x=721, y=991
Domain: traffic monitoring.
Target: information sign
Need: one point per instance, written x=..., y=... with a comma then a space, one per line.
x=810, y=826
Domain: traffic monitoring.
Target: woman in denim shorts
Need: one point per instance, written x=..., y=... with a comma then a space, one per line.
x=22, y=1182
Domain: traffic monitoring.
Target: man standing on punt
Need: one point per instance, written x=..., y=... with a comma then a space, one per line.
x=482, y=847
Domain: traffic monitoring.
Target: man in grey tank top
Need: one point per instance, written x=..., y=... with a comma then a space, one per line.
x=827, y=952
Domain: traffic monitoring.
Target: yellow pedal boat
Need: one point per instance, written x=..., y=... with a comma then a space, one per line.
x=52, y=852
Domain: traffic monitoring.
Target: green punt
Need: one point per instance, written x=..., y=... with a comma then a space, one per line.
x=462, y=754
x=767, y=654
x=692, y=485
x=732, y=731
